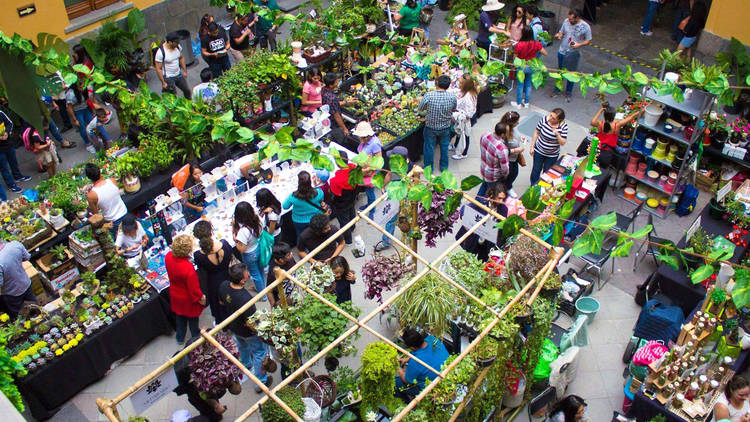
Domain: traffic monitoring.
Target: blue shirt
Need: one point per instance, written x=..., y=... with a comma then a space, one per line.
x=13, y=278
x=433, y=354
x=302, y=210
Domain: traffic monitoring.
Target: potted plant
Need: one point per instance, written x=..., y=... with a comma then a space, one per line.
x=446, y=391
x=210, y=371
x=717, y=297
x=378, y=378
x=382, y=273
x=272, y=412
x=526, y=258
x=718, y=209
x=429, y=303
x=552, y=286
x=274, y=327
x=701, y=243
x=90, y=284
x=736, y=212
x=320, y=325
x=127, y=170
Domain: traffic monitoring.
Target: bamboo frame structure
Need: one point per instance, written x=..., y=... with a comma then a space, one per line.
x=109, y=406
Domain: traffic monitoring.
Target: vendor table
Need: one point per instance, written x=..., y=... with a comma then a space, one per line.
x=57, y=382
x=644, y=408
x=676, y=284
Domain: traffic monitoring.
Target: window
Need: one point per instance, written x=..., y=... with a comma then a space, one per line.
x=77, y=8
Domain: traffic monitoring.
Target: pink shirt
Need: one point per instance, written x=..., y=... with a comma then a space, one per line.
x=313, y=94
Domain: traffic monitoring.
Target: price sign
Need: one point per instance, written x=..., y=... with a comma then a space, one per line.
x=723, y=191
x=486, y=231
x=385, y=211
x=692, y=229
x=153, y=391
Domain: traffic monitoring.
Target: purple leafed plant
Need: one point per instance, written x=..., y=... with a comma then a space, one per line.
x=382, y=273
x=211, y=372
x=434, y=222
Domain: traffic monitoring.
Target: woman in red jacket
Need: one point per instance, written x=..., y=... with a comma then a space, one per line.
x=185, y=295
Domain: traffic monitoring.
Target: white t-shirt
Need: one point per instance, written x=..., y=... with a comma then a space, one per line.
x=245, y=236
x=734, y=414
x=272, y=216
x=206, y=91
x=171, y=65
x=124, y=241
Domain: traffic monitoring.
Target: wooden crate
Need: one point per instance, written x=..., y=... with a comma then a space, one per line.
x=45, y=265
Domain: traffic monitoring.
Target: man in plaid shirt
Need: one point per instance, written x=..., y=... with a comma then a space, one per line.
x=440, y=105
x=494, y=153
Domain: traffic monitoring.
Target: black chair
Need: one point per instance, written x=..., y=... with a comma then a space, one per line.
x=598, y=261
x=624, y=221
x=541, y=403
x=652, y=247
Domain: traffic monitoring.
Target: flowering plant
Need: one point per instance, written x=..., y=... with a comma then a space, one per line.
x=740, y=127
x=717, y=123
x=382, y=273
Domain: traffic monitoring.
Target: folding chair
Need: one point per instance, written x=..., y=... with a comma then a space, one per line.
x=539, y=405
x=625, y=221
x=597, y=261
x=652, y=247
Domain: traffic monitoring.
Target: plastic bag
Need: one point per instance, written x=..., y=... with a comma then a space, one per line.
x=548, y=354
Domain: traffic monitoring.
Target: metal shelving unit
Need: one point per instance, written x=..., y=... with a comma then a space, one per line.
x=698, y=103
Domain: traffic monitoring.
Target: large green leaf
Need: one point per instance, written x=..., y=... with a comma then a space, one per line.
x=449, y=180
x=571, y=77
x=604, y=222
x=558, y=231
x=598, y=238
x=532, y=197
x=376, y=162
x=356, y=177
x=670, y=260
x=641, y=78
x=623, y=249
x=421, y=193
x=512, y=225
x=701, y=273
x=361, y=158
x=398, y=165
x=469, y=182
x=378, y=180
x=566, y=209
x=397, y=190
x=136, y=21
x=640, y=234
x=452, y=202
x=741, y=290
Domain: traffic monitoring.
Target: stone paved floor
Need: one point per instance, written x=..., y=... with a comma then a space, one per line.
x=599, y=377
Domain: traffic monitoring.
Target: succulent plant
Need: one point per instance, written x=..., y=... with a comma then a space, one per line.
x=42, y=328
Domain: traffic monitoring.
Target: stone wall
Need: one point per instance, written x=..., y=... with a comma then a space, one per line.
x=171, y=15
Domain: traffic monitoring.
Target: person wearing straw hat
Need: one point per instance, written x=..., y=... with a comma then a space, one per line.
x=487, y=23
x=370, y=145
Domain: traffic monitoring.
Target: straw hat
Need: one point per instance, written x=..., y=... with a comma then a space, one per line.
x=363, y=129
x=492, y=5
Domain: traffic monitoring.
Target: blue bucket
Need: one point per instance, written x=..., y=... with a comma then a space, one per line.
x=588, y=306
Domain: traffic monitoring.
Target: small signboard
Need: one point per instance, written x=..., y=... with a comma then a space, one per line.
x=27, y=10
x=153, y=391
x=692, y=229
x=723, y=191
x=385, y=211
x=486, y=231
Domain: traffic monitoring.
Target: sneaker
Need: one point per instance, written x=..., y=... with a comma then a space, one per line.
x=451, y=147
x=647, y=33
x=568, y=98
x=525, y=105
x=382, y=246
x=512, y=193
x=23, y=179
x=91, y=149
x=555, y=93
x=458, y=157
x=15, y=189
x=515, y=104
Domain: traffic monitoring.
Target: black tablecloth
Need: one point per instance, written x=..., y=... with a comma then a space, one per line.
x=484, y=102
x=643, y=408
x=675, y=283
x=57, y=382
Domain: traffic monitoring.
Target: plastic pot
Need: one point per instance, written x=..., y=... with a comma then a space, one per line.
x=716, y=210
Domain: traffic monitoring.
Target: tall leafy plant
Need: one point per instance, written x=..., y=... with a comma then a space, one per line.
x=379, y=367
x=429, y=303
x=272, y=412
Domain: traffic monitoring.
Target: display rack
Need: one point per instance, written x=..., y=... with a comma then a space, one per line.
x=695, y=105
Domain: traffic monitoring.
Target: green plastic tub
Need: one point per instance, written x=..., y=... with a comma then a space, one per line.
x=588, y=306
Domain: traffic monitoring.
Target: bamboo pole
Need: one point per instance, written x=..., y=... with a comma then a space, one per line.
x=464, y=353
x=111, y=404
x=355, y=321
x=249, y=374
x=474, y=387
x=351, y=330
x=558, y=252
x=501, y=218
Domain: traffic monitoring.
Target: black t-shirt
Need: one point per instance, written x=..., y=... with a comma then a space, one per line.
x=235, y=31
x=215, y=44
x=233, y=299
x=310, y=240
x=694, y=26
x=343, y=289
x=288, y=285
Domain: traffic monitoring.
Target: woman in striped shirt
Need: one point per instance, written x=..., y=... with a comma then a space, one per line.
x=551, y=132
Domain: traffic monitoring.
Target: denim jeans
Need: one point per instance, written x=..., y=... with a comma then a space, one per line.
x=175, y=82
x=54, y=131
x=390, y=227
x=182, y=324
x=443, y=138
x=84, y=117
x=568, y=61
x=99, y=132
x=252, y=351
x=541, y=163
x=9, y=166
x=524, y=88
x=483, y=188
x=250, y=259
x=300, y=227
x=3, y=195
x=344, y=216
x=653, y=6
x=512, y=174
x=370, y=193
x=218, y=68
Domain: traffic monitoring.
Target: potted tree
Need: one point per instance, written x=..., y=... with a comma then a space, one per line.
x=127, y=170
